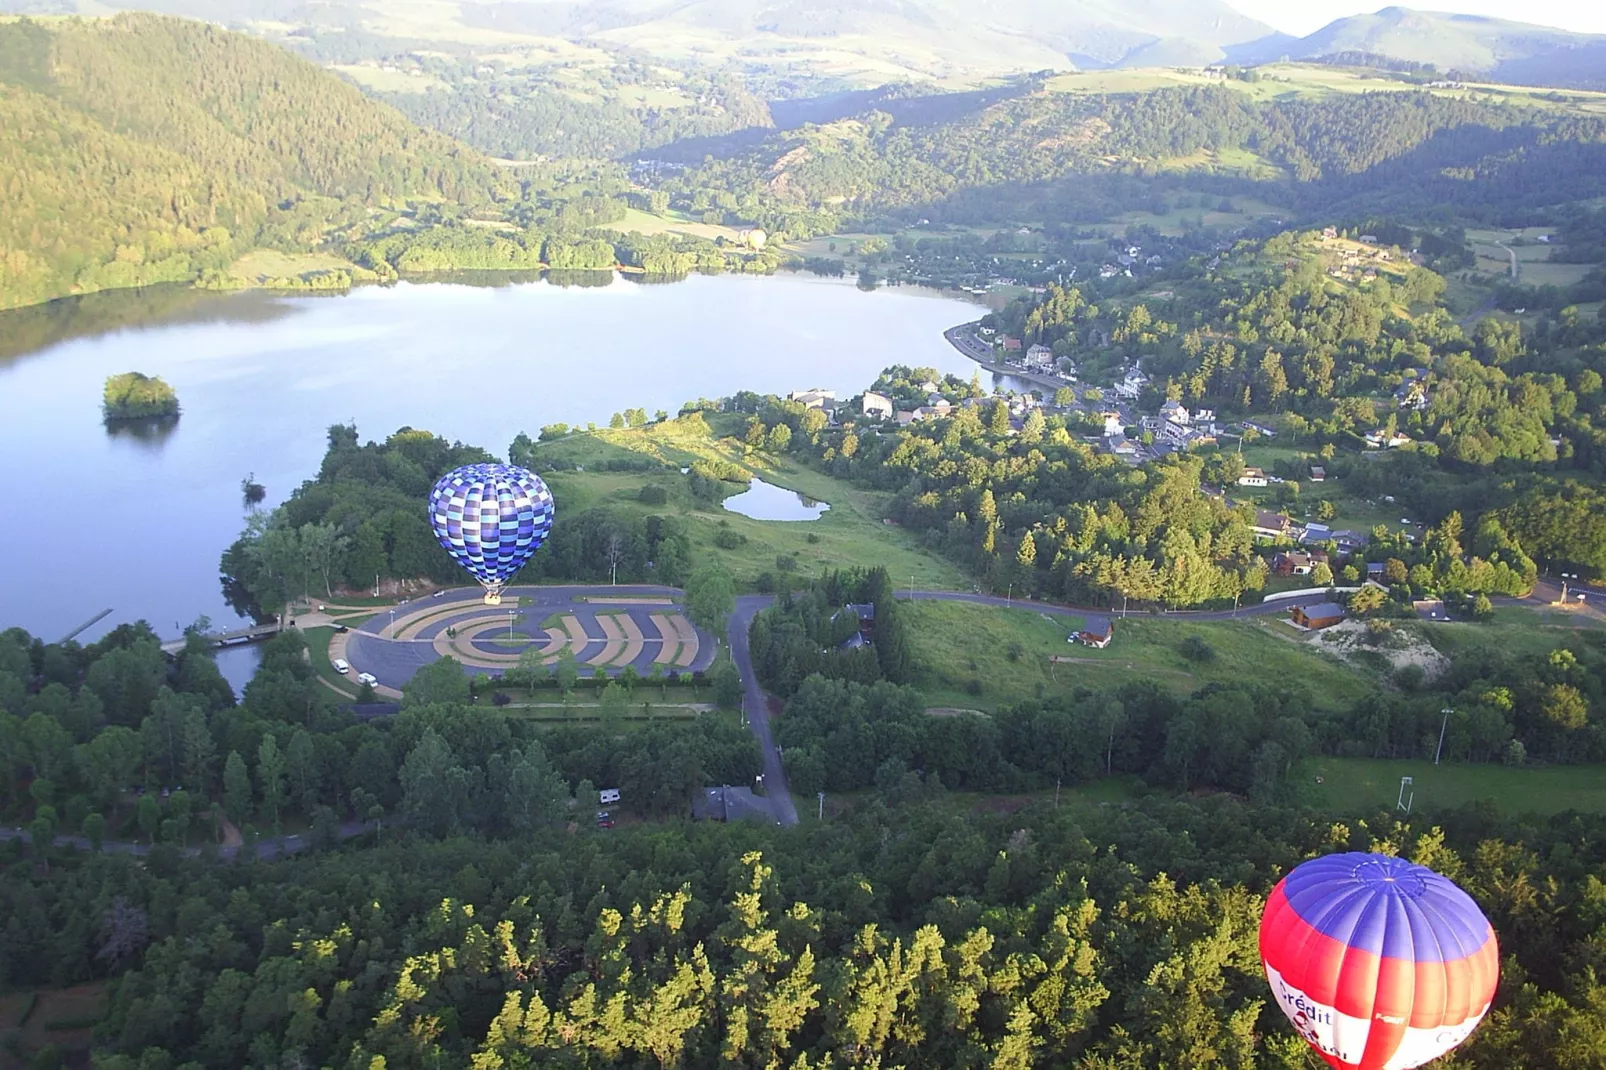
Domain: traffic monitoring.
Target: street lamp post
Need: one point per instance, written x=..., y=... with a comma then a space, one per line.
x=1565, y=576
x=392, y=633
x=821, y=796
x=1442, y=726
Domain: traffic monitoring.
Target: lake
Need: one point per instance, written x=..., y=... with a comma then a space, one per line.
x=766, y=501
x=138, y=520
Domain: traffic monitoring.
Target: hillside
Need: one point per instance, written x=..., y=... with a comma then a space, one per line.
x=147, y=149
x=1006, y=159
x=1496, y=49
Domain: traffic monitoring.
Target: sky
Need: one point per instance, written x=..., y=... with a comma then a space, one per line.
x=1301, y=17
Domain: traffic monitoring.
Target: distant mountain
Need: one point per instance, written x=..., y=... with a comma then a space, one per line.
x=142, y=149
x=1489, y=48
x=931, y=36
x=867, y=42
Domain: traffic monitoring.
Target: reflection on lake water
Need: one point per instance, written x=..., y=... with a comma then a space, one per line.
x=765, y=501
x=262, y=377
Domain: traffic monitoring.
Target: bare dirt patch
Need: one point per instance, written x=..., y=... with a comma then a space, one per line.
x=1401, y=646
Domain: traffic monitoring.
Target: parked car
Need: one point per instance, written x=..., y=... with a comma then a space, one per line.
x=341, y=629
x=342, y=666
x=604, y=819
x=439, y=594
x=367, y=678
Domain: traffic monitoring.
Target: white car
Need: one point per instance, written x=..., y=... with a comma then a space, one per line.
x=341, y=666
x=367, y=678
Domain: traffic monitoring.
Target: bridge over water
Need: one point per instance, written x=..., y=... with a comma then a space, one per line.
x=240, y=636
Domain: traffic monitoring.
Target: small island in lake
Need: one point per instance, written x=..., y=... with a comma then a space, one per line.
x=135, y=396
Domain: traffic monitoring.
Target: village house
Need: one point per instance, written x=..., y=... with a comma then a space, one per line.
x=1381, y=439
x=1121, y=446
x=1096, y=632
x=1252, y=477
x=877, y=405
x=1317, y=617
x=813, y=399
x=1175, y=412
x=1318, y=474
x=1315, y=533
x=1113, y=424
x=1270, y=525
x=1011, y=345
x=1412, y=394
x=1040, y=358
x=1329, y=233
x=1349, y=541
x=1292, y=564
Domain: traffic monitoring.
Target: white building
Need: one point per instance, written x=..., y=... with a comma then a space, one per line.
x=877, y=405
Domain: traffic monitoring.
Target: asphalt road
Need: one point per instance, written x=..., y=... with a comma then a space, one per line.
x=756, y=707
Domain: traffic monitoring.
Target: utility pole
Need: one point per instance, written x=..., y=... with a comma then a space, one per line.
x=1442, y=726
x=821, y=797
x=1056, y=793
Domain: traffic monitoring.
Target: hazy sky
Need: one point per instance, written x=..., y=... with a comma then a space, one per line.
x=1306, y=16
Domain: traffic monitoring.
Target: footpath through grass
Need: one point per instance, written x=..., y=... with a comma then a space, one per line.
x=983, y=657
x=1357, y=785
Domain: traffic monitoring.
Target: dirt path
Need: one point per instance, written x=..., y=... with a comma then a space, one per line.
x=231, y=835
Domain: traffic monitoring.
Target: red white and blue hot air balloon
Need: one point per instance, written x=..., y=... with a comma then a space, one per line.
x=1381, y=964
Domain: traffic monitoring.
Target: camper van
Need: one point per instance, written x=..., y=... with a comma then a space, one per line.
x=341, y=666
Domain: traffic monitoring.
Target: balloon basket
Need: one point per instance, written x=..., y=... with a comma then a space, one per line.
x=493, y=598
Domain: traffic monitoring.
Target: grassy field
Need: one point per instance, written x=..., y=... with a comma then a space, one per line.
x=850, y=532
x=674, y=223
x=1354, y=785
x=956, y=643
x=259, y=266
x=376, y=78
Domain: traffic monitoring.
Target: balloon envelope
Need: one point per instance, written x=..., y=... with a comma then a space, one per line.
x=491, y=518
x=1381, y=964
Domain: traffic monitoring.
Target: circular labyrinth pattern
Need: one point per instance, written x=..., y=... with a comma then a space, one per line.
x=647, y=631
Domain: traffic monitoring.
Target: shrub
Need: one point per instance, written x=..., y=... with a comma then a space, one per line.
x=501, y=698
x=652, y=494
x=728, y=539
x=1195, y=648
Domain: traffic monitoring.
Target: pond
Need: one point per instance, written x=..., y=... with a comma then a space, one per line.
x=766, y=501
x=261, y=378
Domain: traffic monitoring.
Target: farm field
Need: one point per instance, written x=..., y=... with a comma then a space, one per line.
x=956, y=643
x=1354, y=785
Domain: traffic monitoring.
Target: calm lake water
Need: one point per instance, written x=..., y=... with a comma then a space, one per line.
x=766, y=501
x=135, y=523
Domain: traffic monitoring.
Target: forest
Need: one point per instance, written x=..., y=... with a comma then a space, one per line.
x=452, y=911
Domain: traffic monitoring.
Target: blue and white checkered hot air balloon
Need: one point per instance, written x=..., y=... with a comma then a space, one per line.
x=491, y=518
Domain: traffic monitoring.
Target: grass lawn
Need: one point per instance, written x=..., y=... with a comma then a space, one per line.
x=1514, y=630
x=850, y=532
x=954, y=643
x=260, y=265
x=1362, y=784
x=318, y=652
